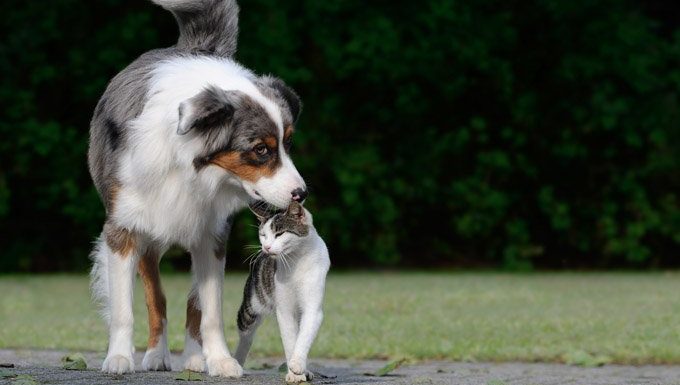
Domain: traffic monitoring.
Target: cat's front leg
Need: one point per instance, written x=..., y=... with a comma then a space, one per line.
x=310, y=322
x=288, y=326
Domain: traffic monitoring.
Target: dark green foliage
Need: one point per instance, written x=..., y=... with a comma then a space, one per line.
x=507, y=133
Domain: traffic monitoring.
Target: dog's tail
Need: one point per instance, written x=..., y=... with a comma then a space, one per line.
x=205, y=25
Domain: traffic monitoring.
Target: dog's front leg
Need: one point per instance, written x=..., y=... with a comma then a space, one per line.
x=208, y=268
x=122, y=248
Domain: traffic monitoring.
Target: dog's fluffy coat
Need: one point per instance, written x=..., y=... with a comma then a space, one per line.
x=181, y=140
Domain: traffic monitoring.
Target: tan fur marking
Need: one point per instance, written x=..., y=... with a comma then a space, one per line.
x=120, y=240
x=153, y=292
x=288, y=132
x=233, y=162
x=271, y=142
x=193, y=324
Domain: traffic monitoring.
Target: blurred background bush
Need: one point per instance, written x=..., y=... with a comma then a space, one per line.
x=515, y=134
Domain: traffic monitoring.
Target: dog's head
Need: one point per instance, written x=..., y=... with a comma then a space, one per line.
x=249, y=136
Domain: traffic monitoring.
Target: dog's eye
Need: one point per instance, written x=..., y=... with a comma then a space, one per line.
x=261, y=149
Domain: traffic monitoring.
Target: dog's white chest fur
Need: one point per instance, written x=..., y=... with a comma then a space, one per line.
x=172, y=209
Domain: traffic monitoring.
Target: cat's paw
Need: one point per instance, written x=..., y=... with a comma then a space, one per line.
x=309, y=375
x=157, y=359
x=297, y=366
x=224, y=367
x=118, y=364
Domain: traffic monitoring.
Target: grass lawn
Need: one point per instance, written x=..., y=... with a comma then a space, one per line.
x=624, y=317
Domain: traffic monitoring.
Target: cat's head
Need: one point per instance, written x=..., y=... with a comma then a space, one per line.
x=281, y=232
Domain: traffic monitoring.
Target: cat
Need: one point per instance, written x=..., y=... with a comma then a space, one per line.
x=288, y=276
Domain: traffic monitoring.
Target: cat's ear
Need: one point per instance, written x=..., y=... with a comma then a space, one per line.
x=296, y=210
x=260, y=210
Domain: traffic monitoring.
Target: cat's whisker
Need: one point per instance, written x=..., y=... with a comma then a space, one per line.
x=251, y=256
x=283, y=260
x=284, y=256
x=254, y=260
x=251, y=266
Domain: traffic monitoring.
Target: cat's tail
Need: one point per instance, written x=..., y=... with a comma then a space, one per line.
x=209, y=26
x=256, y=303
x=248, y=322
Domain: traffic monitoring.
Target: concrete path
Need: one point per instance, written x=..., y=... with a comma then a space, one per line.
x=45, y=367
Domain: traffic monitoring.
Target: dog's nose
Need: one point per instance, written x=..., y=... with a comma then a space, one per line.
x=299, y=195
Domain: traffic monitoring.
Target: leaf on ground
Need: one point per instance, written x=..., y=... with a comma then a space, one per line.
x=25, y=379
x=6, y=374
x=74, y=361
x=283, y=368
x=583, y=358
x=6, y=365
x=385, y=370
x=188, y=375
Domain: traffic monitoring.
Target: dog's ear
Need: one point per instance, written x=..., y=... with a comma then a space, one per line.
x=289, y=96
x=210, y=108
x=261, y=211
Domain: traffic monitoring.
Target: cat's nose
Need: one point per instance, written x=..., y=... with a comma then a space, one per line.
x=299, y=195
x=267, y=248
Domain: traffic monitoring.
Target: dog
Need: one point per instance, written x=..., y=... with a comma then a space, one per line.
x=180, y=141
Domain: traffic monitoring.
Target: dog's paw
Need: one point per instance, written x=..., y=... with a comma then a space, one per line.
x=157, y=359
x=224, y=367
x=297, y=366
x=293, y=378
x=118, y=364
x=195, y=363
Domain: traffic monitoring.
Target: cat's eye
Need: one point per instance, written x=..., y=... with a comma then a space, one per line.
x=278, y=235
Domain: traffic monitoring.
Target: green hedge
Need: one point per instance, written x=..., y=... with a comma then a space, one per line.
x=512, y=134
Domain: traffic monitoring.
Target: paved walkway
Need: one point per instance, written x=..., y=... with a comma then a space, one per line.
x=45, y=367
